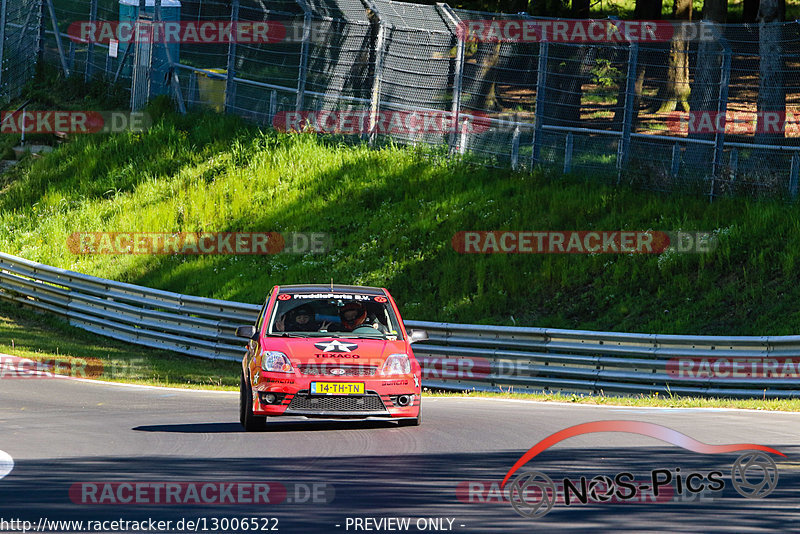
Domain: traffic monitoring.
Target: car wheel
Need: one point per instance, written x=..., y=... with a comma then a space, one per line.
x=250, y=422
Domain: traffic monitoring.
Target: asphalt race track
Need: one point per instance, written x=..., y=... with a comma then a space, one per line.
x=72, y=435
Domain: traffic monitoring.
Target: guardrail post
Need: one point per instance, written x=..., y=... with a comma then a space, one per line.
x=515, y=148
x=568, y=153
x=88, y=71
x=541, y=84
x=676, y=160
x=304, y=50
x=793, y=176
x=230, y=84
x=627, y=117
x=59, y=45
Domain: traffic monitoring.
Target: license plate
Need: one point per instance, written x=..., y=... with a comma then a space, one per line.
x=337, y=388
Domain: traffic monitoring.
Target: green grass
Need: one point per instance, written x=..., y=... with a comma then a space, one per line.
x=391, y=214
x=81, y=354
x=640, y=401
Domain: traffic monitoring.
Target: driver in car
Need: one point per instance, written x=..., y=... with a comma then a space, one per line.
x=354, y=315
x=300, y=319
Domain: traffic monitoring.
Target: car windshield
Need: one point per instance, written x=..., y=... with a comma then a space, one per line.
x=338, y=315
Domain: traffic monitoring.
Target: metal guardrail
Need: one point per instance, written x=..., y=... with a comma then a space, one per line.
x=456, y=356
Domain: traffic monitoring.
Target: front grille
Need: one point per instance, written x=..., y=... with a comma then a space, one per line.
x=349, y=370
x=303, y=402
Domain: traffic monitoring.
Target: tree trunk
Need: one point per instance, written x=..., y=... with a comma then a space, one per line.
x=644, y=10
x=705, y=90
x=715, y=10
x=580, y=9
x=675, y=92
x=750, y=10
x=771, y=89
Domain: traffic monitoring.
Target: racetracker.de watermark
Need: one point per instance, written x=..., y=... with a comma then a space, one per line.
x=583, y=31
x=733, y=368
x=734, y=122
x=73, y=122
x=582, y=242
x=355, y=122
x=166, y=493
x=200, y=32
x=13, y=367
x=198, y=243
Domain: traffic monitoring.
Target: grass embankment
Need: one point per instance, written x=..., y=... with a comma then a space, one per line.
x=391, y=214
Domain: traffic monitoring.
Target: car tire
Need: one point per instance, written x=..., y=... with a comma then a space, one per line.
x=249, y=421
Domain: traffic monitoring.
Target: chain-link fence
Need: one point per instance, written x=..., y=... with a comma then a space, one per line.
x=704, y=107
x=20, y=35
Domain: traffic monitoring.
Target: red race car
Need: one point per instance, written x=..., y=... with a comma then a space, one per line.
x=329, y=351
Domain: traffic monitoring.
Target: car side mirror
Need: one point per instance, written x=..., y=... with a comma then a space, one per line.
x=246, y=331
x=418, y=335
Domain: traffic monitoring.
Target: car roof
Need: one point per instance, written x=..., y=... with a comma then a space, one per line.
x=328, y=288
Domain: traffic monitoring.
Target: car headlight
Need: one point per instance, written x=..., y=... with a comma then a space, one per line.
x=276, y=362
x=396, y=364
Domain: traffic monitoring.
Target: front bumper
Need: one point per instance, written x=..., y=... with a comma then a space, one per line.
x=293, y=398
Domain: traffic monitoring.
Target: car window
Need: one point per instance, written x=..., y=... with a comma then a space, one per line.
x=334, y=314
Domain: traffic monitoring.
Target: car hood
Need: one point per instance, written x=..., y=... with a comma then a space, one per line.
x=304, y=351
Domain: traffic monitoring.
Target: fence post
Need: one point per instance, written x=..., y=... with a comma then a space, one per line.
x=71, y=61
x=176, y=81
x=793, y=176
x=230, y=84
x=676, y=160
x=273, y=106
x=3, y=8
x=464, y=138
x=375, y=101
x=40, y=32
x=538, y=119
x=515, y=148
x=733, y=164
x=722, y=109
x=458, y=71
x=59, y=45
x=304, y=47
x=87, y=73
x=627, y=118
x=568, y=153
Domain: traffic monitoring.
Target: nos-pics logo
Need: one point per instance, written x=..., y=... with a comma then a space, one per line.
x=754, y=474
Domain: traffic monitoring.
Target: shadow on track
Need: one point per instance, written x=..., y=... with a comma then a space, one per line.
x=282, y=426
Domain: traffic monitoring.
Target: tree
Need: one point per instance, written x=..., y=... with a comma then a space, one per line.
x=644, y=10
x=708, y=75
x=675, y=92
x=771, y=89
